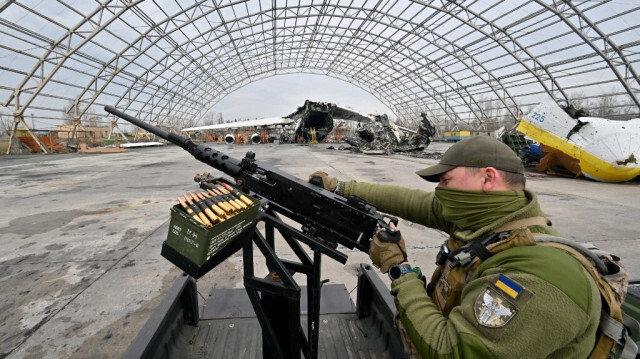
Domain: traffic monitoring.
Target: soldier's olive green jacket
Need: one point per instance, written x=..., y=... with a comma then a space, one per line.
x=555, y=315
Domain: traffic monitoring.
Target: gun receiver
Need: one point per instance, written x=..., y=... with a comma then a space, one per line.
x=351, y=222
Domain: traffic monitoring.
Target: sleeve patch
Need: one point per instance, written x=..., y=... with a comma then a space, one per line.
x=508, y=286
x=492, y=309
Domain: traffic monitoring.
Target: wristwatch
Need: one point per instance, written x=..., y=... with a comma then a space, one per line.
x=398, y=270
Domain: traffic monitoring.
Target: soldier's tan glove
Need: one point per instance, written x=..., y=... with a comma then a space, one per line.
x=387, y=250
x=322, y=179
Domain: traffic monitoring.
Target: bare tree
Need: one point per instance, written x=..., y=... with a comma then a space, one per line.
x=605, y=105
x=491, y=114
x=209, y=118
x=6, y=124
x=578, y=99
x=91, y=118
x=67, y=115
x=629, y=109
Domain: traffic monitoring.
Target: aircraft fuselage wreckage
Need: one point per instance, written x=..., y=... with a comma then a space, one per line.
x=309, y=119
x=319, y=116
x=601, y=149
x=314, y=121
x=382, y=136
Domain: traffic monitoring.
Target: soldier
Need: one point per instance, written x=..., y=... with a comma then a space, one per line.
x=495, y=293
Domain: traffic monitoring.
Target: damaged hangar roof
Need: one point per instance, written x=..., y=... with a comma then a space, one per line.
x=167, y=61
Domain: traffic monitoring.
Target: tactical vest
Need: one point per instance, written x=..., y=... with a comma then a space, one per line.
x=457, y=261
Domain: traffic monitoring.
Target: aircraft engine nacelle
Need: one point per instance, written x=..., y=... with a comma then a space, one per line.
x=285, y=138
x=255, y=138
x=229, y=138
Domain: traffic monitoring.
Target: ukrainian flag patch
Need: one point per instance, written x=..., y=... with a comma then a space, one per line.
x=508, y=286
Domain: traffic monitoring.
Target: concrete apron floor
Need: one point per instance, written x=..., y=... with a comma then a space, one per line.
x=80, y=236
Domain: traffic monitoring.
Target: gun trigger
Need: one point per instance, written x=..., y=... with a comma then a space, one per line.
x=386, y=225
x=389, y=235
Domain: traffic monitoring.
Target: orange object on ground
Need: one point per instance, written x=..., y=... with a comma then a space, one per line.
x=555, y=157
x=49, y=141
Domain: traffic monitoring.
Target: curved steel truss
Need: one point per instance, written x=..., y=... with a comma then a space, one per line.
x=475, y=63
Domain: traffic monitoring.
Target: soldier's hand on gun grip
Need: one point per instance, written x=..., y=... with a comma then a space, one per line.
x=387, y=250
x=322, y=179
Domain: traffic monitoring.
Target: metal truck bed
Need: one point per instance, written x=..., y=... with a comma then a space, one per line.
x=226, y=327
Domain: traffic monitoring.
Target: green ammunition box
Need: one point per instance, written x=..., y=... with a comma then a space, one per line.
x=197, y=243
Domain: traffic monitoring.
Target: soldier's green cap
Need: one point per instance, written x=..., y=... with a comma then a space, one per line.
x=477, y=151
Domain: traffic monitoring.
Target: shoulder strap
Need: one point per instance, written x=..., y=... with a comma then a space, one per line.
x=591, y=263
x=525, y=222
x=552, y=241
x=613, y=322
x=617, y=331
x=630, y=347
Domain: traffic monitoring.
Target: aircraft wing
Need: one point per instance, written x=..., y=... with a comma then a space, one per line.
x=141, y=144
x=405, y=129
x=343, y=113
x=261, y=122
x=334, y=111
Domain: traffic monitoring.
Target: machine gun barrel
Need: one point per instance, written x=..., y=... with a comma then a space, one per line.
x=351, y=221
x=203, y=153
x=175, y=139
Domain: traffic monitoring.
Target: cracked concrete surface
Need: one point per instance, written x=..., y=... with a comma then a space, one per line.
x=80, y=236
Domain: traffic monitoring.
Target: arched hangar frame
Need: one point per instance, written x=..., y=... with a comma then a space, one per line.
x=472, y=63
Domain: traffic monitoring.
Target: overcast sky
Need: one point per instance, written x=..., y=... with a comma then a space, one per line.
x=283, y=94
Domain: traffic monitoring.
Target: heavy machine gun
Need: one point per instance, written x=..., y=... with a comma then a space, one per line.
x=324, y=215
x=326, y=220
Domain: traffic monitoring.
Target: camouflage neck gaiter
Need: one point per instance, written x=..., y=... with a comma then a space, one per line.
x=472, y=210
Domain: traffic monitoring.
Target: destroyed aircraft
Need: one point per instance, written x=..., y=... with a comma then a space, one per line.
x=598, y=148
x=383, y=136
x=319, y=116
x=256, y=125
x=312, y=117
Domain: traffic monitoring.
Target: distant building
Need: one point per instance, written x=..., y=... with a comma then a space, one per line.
x=461, y=135
x=456, y=135
x=89, y=134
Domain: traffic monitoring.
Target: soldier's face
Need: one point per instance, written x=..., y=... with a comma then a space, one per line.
x=463, y=178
